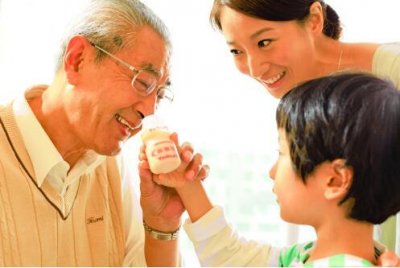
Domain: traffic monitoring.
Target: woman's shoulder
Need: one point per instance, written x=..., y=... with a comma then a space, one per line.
x=359, y=56
x=388, y=50
x=386, y=62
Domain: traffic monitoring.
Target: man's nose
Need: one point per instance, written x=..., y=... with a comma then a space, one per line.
x=149, y=104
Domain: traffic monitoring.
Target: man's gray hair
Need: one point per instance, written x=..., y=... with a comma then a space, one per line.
x=112, y=25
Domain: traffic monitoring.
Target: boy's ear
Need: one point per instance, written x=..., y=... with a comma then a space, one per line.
x=339, y=183
x=74, y=56
x=316, y=18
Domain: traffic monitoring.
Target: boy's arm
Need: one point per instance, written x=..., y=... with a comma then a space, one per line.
x=162, y=207
x=189, y=188
x=191, y=191
x=215, y=242
x=195, y=199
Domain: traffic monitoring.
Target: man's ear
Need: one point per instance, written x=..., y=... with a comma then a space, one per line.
x=338, y=184
x=74, y=57
x=315, y=20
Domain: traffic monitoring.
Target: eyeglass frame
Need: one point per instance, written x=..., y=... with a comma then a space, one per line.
x=169, y=96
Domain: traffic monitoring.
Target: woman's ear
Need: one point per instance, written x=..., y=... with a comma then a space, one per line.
x=315, y=20
x=74, y=57
x=339, y=183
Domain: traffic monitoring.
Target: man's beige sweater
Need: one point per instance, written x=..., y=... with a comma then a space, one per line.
x=32, y=230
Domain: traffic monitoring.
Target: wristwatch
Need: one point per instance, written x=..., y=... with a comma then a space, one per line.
x=159, y=235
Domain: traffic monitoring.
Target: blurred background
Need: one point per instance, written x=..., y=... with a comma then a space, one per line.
x=228, y=117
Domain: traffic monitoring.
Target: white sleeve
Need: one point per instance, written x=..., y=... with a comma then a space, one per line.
x=134, y=232
x=217, y=244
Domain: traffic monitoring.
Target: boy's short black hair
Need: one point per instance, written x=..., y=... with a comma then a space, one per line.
x=350, y=116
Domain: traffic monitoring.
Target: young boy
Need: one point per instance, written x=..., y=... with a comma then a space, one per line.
x=338, y=171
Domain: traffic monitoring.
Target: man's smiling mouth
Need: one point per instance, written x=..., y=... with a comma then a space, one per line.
x=125, y=122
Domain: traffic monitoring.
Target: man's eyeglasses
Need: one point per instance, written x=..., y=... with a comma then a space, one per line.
x=144, y=82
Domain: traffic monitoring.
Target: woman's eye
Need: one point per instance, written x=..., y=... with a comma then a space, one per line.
x=264, y=43
x=234, y=51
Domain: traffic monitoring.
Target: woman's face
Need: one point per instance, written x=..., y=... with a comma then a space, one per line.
x=277, y=54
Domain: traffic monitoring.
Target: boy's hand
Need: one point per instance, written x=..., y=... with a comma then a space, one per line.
x=190, y=169
x=194, y=168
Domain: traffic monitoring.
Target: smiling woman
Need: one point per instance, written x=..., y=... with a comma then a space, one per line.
x=226, y=115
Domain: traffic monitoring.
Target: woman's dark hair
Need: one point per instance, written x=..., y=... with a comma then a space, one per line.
x=350, y=116
x=278, y=10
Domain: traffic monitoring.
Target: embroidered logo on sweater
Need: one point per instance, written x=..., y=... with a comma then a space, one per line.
x=94, y=219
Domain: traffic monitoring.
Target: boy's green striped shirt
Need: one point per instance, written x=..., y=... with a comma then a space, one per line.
x=297, y=255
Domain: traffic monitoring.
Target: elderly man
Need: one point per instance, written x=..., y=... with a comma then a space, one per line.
x=61, y=195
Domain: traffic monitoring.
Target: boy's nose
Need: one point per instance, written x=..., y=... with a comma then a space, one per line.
x=272, y=172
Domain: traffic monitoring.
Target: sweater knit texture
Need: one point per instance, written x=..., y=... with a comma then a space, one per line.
x=33, y=232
